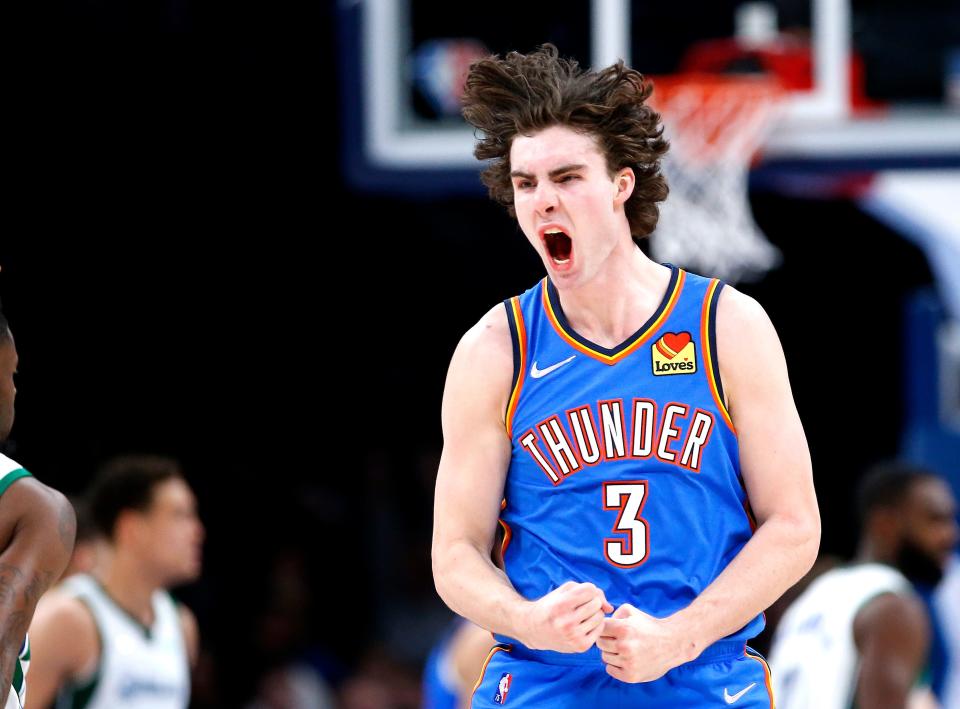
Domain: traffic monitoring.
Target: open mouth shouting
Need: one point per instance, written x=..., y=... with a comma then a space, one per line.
x=559, y=246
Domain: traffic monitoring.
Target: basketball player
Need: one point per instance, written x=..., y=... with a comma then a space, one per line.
x=115, y=638
x=625, y=415
x=859, y=635
x=37, y=528
x=947, y=604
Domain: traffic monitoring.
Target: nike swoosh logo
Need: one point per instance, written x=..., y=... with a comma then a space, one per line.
x=537, y=373
x=730, y=699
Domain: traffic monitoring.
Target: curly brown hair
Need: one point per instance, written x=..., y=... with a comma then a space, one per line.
x=526, y=93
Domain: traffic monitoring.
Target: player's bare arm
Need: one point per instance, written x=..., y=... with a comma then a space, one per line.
x=191, y=634
x=776, y=468
x=470, y=481
x=37, y=529
x=892, y=635
x=65, y=647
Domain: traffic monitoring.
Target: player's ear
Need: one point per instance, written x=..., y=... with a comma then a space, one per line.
x=127, y=526
x=886, y=524
x=624, y=182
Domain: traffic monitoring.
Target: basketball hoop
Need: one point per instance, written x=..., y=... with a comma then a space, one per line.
x=715, y=124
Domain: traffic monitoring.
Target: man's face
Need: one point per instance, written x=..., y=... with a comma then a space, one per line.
x=929, y=530
x=560, y=181
x=8, y=390
x=170, y=534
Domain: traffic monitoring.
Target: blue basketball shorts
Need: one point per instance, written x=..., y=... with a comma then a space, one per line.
x=727, y=674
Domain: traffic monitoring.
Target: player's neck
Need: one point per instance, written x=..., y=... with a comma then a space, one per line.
x=124, y=580
x=873, y=553
x=616, y=302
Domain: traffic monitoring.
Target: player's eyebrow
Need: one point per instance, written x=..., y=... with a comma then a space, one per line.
x=553, y=173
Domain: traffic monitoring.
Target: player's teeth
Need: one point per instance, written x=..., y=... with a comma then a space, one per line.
x=561, y=260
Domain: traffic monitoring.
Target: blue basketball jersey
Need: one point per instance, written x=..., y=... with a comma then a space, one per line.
x=625, y=466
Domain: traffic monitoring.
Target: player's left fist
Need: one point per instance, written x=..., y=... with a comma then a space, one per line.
x=636, y=647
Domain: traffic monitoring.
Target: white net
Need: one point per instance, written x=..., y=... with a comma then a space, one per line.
x=715, y=125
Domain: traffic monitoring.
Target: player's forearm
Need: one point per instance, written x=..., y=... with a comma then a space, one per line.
x=477, y=590
x=777, y=556
x=20, y=589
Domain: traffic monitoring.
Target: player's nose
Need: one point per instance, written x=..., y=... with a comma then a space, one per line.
x=545, y=199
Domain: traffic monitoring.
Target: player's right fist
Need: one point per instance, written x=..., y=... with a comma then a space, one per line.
x=568, y=619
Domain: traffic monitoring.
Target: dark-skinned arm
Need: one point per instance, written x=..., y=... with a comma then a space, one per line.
x=892, y=634
x=37, y=530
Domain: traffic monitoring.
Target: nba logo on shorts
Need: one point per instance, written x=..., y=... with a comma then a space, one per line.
x=502, y=688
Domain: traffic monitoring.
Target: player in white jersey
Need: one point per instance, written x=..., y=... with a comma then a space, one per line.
x=114, y=638
x=859, y=635
x=947, y=603
x=37, y=527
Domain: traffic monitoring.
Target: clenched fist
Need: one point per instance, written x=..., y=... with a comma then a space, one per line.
x=636, y=647
x=568, y=619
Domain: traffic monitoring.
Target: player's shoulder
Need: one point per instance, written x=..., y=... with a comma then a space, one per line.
x=23, y=497
x=492, y=332
x=10, y=472
x=488, y=346
x=482, y=367
x=64, y=610
x=737, y=311
x=888, y=596
x=64, y=625
x=897, y=613
x=186, y=617
x=744, y=329
x=190, y=630
x=749, y=353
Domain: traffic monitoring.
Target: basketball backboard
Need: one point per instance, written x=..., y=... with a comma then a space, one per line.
x=867, y=94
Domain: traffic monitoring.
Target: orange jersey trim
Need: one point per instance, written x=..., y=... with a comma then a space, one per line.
x=768, y=680
x=483, y=670
x=507, y=536
x=708, y=358
x=521, y=329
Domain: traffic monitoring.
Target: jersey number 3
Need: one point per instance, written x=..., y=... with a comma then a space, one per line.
x=628, y=498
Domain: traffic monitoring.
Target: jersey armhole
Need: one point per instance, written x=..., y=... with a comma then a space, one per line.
x=11, y=477
x=176, y=605
x=80, y=690
x=712, y=333
x=518, y=338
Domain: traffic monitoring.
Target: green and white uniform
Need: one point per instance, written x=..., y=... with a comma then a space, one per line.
x=814, y=658
x=140, y=667
x=11, y=471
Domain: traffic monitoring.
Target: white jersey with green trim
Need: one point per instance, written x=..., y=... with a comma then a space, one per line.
x=140, y=667
x=814, y=659
x=10, y=472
